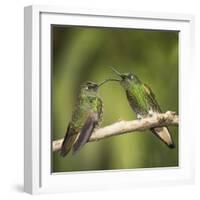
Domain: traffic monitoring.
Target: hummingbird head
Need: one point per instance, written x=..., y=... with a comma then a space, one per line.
x=90, y=87
x=126, y=78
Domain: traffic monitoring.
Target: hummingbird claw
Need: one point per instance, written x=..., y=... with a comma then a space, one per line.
x=151, y=113
x=139, y=117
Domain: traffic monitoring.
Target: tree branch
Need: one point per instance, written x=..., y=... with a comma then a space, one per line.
x=122, y=127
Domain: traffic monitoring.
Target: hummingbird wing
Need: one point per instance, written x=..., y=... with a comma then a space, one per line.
x=161, y=132
x=69, y=140
x=86, y=131
x=152, y=99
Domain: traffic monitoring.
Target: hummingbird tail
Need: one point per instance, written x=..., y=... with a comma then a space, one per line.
x=67, y=145
x=64, y=151
x=163, y=134
x=68, y=141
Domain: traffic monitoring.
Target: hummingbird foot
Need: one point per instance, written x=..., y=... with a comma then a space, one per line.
x=139, y=117
x=151, y=113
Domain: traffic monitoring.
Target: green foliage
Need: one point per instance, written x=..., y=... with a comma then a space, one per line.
x=81, y=54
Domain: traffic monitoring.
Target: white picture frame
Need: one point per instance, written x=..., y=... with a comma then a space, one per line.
x=37, y=133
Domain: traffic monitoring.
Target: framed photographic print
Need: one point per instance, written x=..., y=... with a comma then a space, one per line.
x=104, y=100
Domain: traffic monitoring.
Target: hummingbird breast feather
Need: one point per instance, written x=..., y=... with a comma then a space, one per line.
x=137, y=103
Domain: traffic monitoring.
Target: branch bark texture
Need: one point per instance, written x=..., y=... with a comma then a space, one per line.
x=123, y=127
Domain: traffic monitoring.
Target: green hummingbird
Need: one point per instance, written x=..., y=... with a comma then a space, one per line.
x=143, y=102
x=86, y=116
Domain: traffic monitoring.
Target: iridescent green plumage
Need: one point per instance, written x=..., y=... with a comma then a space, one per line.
x=85, y=118
x=143, y=102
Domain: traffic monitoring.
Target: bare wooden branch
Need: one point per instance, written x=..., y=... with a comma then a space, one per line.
x=122, y=127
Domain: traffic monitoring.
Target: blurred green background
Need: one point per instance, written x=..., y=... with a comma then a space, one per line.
x=80, y=54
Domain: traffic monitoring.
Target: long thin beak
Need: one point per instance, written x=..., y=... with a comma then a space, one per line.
x=116, y=72
x=110, y=79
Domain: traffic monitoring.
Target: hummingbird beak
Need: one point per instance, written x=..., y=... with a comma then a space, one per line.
x=117, y=72
x=110, y=79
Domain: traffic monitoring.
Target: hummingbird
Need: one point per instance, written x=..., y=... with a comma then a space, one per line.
x=86, y=116
x=143, y=102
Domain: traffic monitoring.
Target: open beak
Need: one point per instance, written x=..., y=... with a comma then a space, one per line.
x=117, y=72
